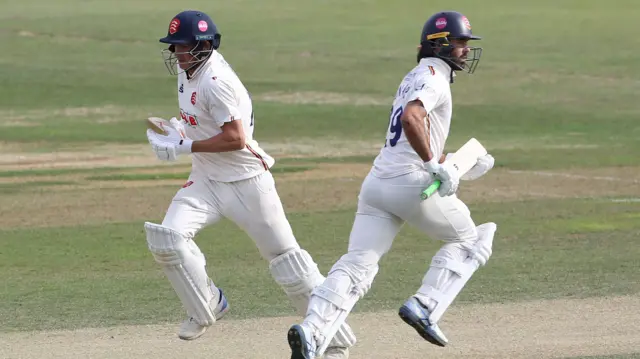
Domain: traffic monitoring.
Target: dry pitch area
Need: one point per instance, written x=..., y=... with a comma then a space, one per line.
x=535, y=330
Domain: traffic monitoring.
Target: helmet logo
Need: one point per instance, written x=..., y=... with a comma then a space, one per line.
x=202, y=25
x=174, y=26
x=441, y=23
x=466, y=23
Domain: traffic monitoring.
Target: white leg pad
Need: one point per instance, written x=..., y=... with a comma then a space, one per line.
x=184, y=265
x=446, y=277
x=334, y=299
x=297, y=274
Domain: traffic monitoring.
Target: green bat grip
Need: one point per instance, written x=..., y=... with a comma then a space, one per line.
x=430, y=190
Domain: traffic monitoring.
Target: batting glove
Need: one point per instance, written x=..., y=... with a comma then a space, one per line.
x=484, y=164
x=446, y=173
x=175, y=143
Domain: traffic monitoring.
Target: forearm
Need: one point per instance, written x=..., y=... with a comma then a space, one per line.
x=417, y=137
x=219, y=143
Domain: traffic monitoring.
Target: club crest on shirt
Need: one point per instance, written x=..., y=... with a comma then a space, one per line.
x=189, y=119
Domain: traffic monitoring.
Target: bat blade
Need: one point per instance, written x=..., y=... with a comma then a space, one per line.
x=467, y=156
x=157, y=125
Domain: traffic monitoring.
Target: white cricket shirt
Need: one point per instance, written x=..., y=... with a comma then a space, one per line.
x=213, y=96
x=428, y=82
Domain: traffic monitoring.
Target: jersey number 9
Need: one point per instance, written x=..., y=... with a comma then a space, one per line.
x=395, y=127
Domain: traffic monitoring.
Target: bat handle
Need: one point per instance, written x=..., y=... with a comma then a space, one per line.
x=430, y=190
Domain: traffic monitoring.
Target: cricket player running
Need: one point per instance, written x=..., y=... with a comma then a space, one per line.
x=230, y=178
x=411, y=159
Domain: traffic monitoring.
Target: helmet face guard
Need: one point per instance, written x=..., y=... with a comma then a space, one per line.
x=473, y=59
x=198, y=55
x=442, y=48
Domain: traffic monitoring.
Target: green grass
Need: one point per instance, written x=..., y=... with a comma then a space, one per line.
x=110, y=264
x=549, y=94
x=530, y=98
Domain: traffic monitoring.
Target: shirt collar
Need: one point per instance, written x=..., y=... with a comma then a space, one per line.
x=439, y=65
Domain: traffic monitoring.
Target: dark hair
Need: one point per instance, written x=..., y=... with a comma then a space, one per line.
x=426, y=50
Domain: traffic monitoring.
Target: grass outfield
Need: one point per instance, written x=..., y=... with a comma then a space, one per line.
x=77, y=179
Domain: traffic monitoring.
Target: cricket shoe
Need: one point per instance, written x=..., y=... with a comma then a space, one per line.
x=191, y=329
x=336, y=353
x=417, y=315
x=302, y=342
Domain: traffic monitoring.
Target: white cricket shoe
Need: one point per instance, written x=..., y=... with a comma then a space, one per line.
x=336, y=353
x=304, y=345
x=416, y=314
x=302, y=342
x=190, y=329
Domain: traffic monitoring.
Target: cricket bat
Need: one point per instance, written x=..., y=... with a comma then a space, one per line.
x=463, y=160
x=157, y=125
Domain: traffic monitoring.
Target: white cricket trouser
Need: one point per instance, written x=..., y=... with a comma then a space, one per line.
x=384, y=206
x=253, y=204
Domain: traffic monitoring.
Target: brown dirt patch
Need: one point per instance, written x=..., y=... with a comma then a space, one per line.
x=324, y=98
x=314, y=196
x=18, y=123
x=66, y=207
x=327, y=187
x=356, y=171
x=86, y=156
x=331, y=187
x=531, y=330
x=83, y=183
x=320, y=147
x=9, y=116
x=508, y=185
x=14, y=156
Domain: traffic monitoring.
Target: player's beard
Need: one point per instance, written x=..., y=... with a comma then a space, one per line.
x=470, y=61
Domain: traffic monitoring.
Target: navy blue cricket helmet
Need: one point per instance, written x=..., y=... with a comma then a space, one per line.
x=189, y=27
x=194, y=28
x=435, y=38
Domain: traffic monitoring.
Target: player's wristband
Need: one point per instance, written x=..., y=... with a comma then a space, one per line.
x=184, y=146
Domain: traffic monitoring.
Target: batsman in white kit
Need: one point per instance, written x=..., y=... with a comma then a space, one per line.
x=411, y=161
x=230, y=178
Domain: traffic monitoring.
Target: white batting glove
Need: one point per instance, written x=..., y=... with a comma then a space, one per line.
x=178, y=126
x=484, y=164
x=446, y=173
x=175, y=143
